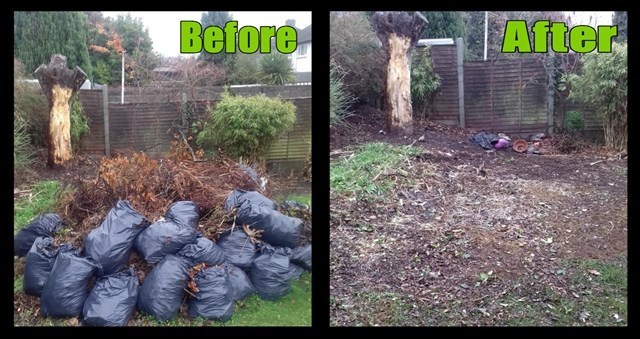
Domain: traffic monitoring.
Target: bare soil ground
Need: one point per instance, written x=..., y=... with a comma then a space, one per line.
x=470, y=237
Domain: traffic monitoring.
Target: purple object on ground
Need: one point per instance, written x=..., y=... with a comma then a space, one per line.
x=502, y=143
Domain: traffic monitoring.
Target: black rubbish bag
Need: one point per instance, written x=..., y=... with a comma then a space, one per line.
x=38, y=264
x=301, y=256
x=111, y=243
x=270, y=272
x=112, y=300
x=238, y=248
x=295, y=271
x=203, y=251
x=241, y=285
x=237, y=197
x=261, y=182
x=43, y=225
x=64, y=293
x=163, y=289
x=162, y=238
x=214, y=299
x=184, y=213
x=279, y=229
x=484, y=139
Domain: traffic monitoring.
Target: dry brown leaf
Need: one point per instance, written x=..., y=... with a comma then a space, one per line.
x=254, y=235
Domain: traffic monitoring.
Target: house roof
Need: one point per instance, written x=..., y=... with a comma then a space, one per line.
x=304, y=35
x=432, y=42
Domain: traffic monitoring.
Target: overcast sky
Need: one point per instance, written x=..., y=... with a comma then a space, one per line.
x=164, y=27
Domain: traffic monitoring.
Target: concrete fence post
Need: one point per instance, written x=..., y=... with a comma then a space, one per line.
x=460, y=62
x=105, y=114
x=550, y=93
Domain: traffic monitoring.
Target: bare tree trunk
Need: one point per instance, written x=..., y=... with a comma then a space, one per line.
x=59, y=83
x=398, y=32
x=398, y=90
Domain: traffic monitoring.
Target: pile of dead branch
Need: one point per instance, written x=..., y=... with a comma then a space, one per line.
x=151, y=186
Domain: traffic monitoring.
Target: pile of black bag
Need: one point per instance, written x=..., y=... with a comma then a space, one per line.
x=95, y=283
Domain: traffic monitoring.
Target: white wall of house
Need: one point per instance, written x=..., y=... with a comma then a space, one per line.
x=301, y=58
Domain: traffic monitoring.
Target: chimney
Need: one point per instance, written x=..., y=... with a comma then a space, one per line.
x=290, y=22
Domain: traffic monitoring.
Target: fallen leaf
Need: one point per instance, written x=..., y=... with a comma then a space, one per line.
x=484, y=312
x=594, y=272
x=584, y=316
x=73, y=322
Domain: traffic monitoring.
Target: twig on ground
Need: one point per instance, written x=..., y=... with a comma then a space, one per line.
x=184, y=139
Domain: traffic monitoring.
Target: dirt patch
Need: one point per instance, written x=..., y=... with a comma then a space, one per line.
x=467, y=228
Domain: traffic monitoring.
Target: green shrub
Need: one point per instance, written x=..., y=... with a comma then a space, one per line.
x=247, y=126
x=355, y=47
x=574, y=121
x=603, y=85
x=276, y=69
x=339, y=98
x=30, y=106
x=23, y=152
x=79, y=121
x=424, y=82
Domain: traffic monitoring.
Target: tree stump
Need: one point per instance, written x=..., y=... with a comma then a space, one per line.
x=398, y=32
x=59, y=83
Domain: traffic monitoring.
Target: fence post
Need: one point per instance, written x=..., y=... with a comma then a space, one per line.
x=460, y=57
x=520, y=97
x=105, y=114
x=550, y=93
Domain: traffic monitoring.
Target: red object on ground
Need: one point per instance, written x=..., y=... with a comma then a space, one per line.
x=520, y=146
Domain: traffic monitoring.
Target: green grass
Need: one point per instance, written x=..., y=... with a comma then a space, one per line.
x=355, y=174
x=380, y=309
x=17, y=284
x=300, y=198
x=292, y=310
x=41, y=199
